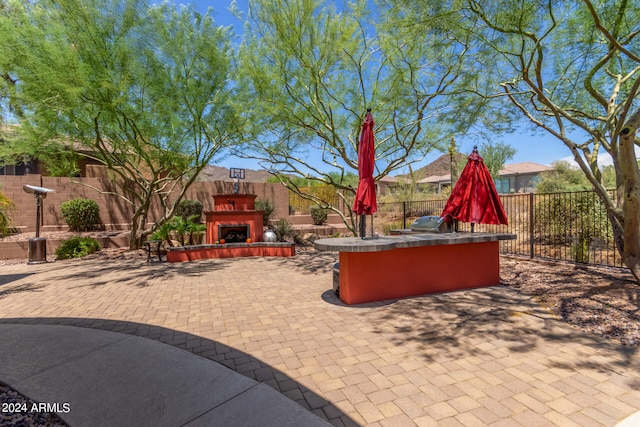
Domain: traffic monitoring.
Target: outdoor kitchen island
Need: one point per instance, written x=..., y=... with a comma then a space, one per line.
x=390, y=267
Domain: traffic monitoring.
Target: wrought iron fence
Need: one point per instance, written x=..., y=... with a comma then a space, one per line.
x=561, y=226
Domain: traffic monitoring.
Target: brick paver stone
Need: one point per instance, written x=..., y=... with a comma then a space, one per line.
x=487, y=356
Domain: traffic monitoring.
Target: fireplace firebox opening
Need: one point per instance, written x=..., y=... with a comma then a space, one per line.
x=234, y=233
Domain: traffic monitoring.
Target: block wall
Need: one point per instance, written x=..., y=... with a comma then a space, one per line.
x=115, y=212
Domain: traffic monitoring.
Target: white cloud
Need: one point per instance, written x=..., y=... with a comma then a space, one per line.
x=603, y=159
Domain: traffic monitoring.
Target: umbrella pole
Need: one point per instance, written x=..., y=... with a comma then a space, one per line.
x=372, y=233
x=363, y=225
x=472, y=225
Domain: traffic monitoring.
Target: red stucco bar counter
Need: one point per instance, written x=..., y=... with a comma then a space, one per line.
x=391, y=267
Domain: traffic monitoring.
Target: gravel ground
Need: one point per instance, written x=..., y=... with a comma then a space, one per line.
x=18, y=410
x=602, y=301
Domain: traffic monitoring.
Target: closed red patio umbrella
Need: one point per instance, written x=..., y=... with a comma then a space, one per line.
x=474, y=198
x=365, y=201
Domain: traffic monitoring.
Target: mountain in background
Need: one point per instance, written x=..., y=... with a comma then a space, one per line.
x=440, y=166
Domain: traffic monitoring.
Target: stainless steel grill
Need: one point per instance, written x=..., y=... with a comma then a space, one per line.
x=432, y=224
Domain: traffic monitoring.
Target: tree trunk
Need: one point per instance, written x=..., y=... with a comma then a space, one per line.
x=631, y=200
x=137, y=229
x=133, y=237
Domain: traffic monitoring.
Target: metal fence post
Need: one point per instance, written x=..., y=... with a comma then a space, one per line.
x=404, y=215
x=531, y=224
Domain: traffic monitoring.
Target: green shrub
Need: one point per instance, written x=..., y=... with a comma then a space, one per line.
x=6, y=205
x=162, y=232
x=190, y=210
x=77, y=247
x=267, y=209
x=580, y=249
x=81, y=214
x=394, y=225
x=318, y=215
x=560, y=217
x=324, y=193
x=283, y=228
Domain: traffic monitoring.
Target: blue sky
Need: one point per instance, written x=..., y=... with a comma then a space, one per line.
x=539, y=148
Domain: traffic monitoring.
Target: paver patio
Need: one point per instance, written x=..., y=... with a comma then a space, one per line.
x=481, y=357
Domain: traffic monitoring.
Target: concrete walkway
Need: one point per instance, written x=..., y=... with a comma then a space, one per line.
x=480, y=357
x=112, y=379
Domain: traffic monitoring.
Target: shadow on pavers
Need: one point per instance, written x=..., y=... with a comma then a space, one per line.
x=308, y=262
x=455, y=325
x=8, y=278
x=230, y=357
x=138, y=273
x=329, y=296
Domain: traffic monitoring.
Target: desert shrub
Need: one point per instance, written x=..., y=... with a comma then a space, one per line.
x=283, y=228
x=76, y=247
x=267, y=209
x=393, y=225
x=81, y=214
x=326, y=193
x=318, y=215
x=562, y=217
x=190, y=210
x=580, y=249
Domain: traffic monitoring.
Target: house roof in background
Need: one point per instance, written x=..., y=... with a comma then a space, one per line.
x=508, y=170
x=523, y=168
x=389, y=179
x=435, y=179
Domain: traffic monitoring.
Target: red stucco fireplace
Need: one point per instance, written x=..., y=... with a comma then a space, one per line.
x=234, y=219
x=233, y=212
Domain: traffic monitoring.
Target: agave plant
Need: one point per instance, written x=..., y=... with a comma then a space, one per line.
x=283, y=228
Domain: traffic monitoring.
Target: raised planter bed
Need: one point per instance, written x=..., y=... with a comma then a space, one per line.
x=230, y=250
x=19, y=249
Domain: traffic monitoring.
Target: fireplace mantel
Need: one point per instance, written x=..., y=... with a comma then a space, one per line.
x=234, y=202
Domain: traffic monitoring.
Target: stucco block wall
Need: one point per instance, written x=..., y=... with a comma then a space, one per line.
x=115, y=212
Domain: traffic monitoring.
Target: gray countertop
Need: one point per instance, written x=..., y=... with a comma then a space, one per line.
x=385, y=243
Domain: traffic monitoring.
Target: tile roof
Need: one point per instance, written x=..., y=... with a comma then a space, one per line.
x=523, y=168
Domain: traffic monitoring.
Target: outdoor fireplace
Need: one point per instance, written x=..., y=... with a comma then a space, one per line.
x=236, y=233
x=234, y=219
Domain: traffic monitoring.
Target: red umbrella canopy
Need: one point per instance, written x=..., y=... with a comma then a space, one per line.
x=474, y=198
x=365, y=202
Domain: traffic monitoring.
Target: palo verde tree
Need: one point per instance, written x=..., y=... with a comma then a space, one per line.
x=146, y=89
x=575, y=70
x=311, y=70
x=571, y=69
x=495, y=155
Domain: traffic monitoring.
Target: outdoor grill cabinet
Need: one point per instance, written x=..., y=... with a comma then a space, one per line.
x=392, y=267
